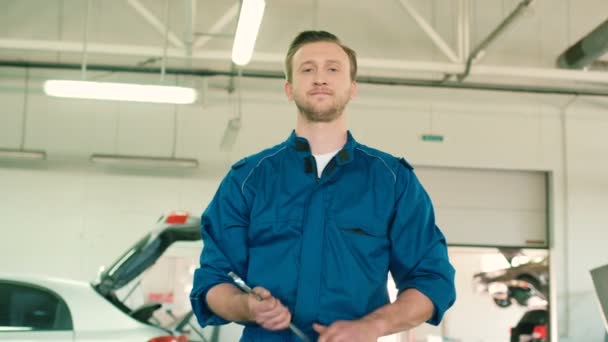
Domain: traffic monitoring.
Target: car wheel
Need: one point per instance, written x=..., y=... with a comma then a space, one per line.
x=503, y=303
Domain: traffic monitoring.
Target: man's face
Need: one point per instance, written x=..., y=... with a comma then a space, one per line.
x=321, y=85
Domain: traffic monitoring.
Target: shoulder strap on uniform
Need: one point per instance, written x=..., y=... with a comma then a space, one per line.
x=239, y=163
x=406, y=164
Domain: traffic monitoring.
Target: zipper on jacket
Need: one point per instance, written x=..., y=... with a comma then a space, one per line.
x=313, y=163
x=329, y=168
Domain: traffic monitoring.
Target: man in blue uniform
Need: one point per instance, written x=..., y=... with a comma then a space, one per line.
x=317, y=222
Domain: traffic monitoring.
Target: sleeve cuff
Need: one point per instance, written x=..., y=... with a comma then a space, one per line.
x=198, y=300
x=442, y=298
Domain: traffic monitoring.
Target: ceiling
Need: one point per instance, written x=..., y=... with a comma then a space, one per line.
x=394, y=39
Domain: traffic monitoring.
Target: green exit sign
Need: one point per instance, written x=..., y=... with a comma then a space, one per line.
x=432, y=137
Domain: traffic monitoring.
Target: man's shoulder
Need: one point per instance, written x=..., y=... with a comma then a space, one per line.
x=390, y=160
x=246, y=164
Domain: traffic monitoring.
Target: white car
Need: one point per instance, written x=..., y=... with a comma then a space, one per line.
x=50, y=309
x=35, y=308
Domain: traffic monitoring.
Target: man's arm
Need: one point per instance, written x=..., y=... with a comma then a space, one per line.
x=224, y=232
x=232, y=304
x=411, y=309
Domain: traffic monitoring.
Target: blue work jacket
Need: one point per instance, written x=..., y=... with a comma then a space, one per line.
x=322, y=245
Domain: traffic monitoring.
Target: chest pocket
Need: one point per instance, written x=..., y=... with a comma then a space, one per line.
x=363, y=239
x=362, y=226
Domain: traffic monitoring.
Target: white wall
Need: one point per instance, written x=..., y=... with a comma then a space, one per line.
x=56, y=210
x=587, y=232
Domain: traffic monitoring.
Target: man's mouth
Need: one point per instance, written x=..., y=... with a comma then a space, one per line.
x=320, y=92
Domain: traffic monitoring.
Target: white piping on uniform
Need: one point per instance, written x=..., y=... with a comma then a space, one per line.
x=260, y=162
x=371, y=155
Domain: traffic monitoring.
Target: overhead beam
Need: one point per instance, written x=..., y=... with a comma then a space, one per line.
x=218, y=26
x=464, y=33
x=190, y=15
x=155, y=22
x=500, y=29
x=395, y=81
x=100, y=48
x=435, y=37
x=276, y=59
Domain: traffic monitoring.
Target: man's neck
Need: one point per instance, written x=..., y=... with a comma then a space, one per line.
x=323, y=137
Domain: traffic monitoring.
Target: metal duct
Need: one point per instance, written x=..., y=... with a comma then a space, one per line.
x=586, y=50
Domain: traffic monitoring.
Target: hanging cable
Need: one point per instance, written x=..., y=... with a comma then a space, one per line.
x=26, y=94
x=85, y=40
x=59, y=26
x=165, y=46
x=175, y=112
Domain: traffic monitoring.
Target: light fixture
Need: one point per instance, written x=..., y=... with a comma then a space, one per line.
x=230, y=134
x=235, y=123
x=84, y=89
x=247, y=29
x=142, y=161
x=134, y=92
x=21, y=153
x=120, y=91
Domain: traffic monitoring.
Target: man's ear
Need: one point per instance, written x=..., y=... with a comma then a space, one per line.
x=353, y=89
x=288, y=90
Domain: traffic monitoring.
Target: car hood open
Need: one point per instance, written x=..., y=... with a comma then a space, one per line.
x=146, y=252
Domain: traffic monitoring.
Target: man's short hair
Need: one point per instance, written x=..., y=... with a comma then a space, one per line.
x=307, y=37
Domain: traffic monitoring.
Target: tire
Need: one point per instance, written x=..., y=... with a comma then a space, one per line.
x=503, y=303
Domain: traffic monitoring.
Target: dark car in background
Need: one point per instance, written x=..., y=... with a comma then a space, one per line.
x=526, y=285
x=532, y=327
x=517, y=283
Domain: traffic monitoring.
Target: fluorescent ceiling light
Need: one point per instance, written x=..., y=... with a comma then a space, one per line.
x=247, y=29
x=17, y=154
x=230, y=134
x=120, y=91
x=142, y=161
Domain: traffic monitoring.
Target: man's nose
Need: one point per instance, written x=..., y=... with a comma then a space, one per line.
x=320, y=78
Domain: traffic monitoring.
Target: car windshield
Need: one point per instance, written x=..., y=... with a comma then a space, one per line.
x=164, y=287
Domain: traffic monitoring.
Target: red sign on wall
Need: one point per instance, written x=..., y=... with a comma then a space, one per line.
x=161, y=297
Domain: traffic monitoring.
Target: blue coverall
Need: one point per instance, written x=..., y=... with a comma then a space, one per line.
x=322, y=245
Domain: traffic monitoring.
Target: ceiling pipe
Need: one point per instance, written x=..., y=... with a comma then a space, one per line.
x=394, y=81
x=586, y=50
x=492, y=36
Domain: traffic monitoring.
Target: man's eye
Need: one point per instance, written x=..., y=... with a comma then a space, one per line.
x=307, y=70
x=333, y=69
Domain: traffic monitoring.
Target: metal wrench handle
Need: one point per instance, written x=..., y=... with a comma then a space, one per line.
x=241, y=284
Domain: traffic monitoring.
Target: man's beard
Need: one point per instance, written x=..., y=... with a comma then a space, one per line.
x=320, y=113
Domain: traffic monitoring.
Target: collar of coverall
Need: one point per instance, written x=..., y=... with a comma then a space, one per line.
x=344, y=156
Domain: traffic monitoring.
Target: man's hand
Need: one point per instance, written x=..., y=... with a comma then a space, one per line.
x=269, y=312
x=347, y=331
